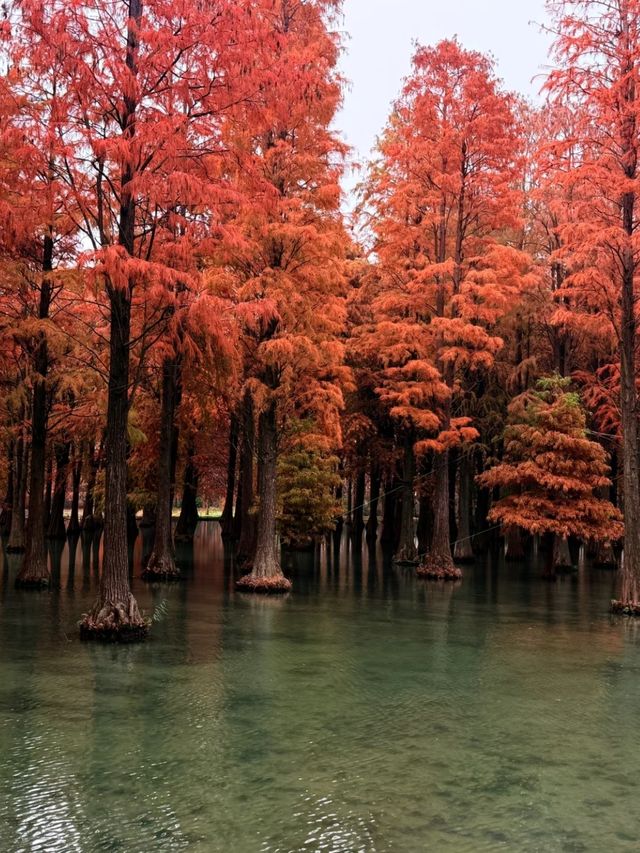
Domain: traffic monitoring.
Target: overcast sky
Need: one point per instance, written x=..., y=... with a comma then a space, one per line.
x=379, y=47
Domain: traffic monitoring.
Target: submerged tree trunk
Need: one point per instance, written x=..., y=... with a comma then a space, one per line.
x=34, y=572
x=247, y=541
x=407, y=551
x=16, y=543
x=463, y=550
x=439, y=564
x=73, y=528
x=226, y=519
x=56, y=528
x=162, y=564
x=115, y=615
x=374, y=499
x=188, y=520
x=266, y=575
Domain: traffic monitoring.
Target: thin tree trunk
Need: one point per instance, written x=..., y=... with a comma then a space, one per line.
x=88, y=511
x=162, y=565
x=56, y=529
x=7, y=503
x=188, y=520
x=463, y=550
x=390, y=531
x=247, y=542
x=358, y=509
x=375, y=480
x=16, y=543
x=48, y=491
x=407, y=551
x=34, y=571
x=73, y=528
x=266, y=575
x=226, y=519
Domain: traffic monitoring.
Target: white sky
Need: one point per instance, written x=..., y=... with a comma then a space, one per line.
x=379, y=46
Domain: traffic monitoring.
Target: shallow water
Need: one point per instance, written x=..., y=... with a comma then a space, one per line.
x=367, y=711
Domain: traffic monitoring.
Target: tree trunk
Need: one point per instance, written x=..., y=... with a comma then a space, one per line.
x=439, y=564
x=358, y=509
x=375, y=480
x=34, y=571
x=390, y=532
x=514, y=547
x=56, y=529
x=407, y=551
x=162, y=565
x=188, y=520
x=88, y=511
x=247, y=542
x=226, y=519
x=7, y=503
x=73, y=528
x=48, y=492
x=425, y=523
x=16, y=543
x=463, y=550
x=266, y=575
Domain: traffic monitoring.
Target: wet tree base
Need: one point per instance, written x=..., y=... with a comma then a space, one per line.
x=161, y=570
x=275, y=585
x=625, y=608
x=16, y=549
x=439, y=569
x=465, y=559
x=405, y=563
x=114, y=623
x=33, y=582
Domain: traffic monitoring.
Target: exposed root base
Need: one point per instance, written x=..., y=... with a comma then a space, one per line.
x=275, y=585
x=439, y=569
x=161, y=569
x=115, y=623
x=33, y=582
x=626, y=608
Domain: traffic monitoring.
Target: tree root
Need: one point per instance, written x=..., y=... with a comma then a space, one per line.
x=625, y=608
x=161, y=568
x=30, y=581
x=274, y=585
x=114, y=622
x=439, y=569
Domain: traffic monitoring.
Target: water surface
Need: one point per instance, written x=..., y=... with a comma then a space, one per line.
x=368, y=711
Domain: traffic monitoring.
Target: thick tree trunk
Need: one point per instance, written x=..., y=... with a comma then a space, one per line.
x=390, y=528
x=226, y=519
x=514, y=547
x=7, y=503
x=407, y=552
x=247, y=541
x=463, y=551
x=188, y=520
x=425, y=523
x=162, y=564
x=375, y=480
x=439, y=564
x=56, y=529
x=16, y=543
x=559, y=558
x=266, y=575
x=73, y=528
x=34, y=572
x=149, y=514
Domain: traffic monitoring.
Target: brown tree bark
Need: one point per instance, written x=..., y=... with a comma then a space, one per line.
x=162, y=564
x=89, y=521
x=266, y=575
x=439, y=564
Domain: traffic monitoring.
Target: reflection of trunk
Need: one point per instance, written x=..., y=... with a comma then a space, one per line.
x=7, y=503
x=188, y=520
x=247, y=541
x=464, y=544
x=358, y=509
x=226, y=519
x=374, y=498
x=17, y=531
x=514, y=548
x=56, y=529
x=161, y=563
x=266, y=575
x=73, y=528
x=407, y=552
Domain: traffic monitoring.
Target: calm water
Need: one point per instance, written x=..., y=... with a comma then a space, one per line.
x=366, y=712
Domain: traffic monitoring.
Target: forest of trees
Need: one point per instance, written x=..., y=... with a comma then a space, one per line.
x=188, y=316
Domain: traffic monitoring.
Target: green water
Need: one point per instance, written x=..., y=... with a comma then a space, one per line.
x=366, y=712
